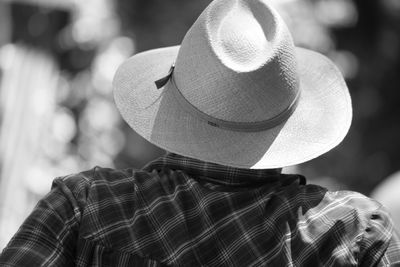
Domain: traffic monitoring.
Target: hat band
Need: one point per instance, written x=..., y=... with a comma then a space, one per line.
x=231, y=125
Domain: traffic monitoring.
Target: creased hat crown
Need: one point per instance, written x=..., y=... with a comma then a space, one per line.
x=237, y=63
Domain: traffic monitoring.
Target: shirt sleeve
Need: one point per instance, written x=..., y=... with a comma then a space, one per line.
x=392, y=253
x=49, y=234
x=380, y=245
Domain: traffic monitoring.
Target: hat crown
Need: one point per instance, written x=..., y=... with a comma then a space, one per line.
x=233, y=96
x=237, y=62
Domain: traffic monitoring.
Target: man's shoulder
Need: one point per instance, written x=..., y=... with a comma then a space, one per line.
x=353, y=200
x=354, y=211
x=101, y=181
x=326, y=198
x=370, y=211
x=101, y=175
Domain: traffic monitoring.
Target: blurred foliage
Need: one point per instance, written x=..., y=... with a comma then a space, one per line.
x=158, y=23
x=370, y=152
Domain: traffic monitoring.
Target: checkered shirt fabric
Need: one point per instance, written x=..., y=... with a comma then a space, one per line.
x=179, y=211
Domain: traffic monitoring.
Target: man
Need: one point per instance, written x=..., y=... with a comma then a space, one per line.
x=235, y=103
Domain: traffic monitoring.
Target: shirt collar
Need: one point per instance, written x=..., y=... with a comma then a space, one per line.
x=216, y=173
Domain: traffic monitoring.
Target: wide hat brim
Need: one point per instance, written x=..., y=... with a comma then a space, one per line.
x=319, y=123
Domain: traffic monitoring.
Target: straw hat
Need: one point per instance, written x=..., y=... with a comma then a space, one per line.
x=236, y=92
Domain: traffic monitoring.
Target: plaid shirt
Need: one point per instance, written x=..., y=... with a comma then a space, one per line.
x=184, y=212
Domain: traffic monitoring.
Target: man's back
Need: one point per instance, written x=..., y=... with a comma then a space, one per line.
x=184, y=212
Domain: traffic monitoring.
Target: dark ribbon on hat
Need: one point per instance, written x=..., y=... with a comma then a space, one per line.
x=163, y=81
x=228, y=125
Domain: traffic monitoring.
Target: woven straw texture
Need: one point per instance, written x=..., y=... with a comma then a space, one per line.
x=236, y=64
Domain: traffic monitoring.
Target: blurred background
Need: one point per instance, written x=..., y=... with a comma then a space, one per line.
x=57, y=116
